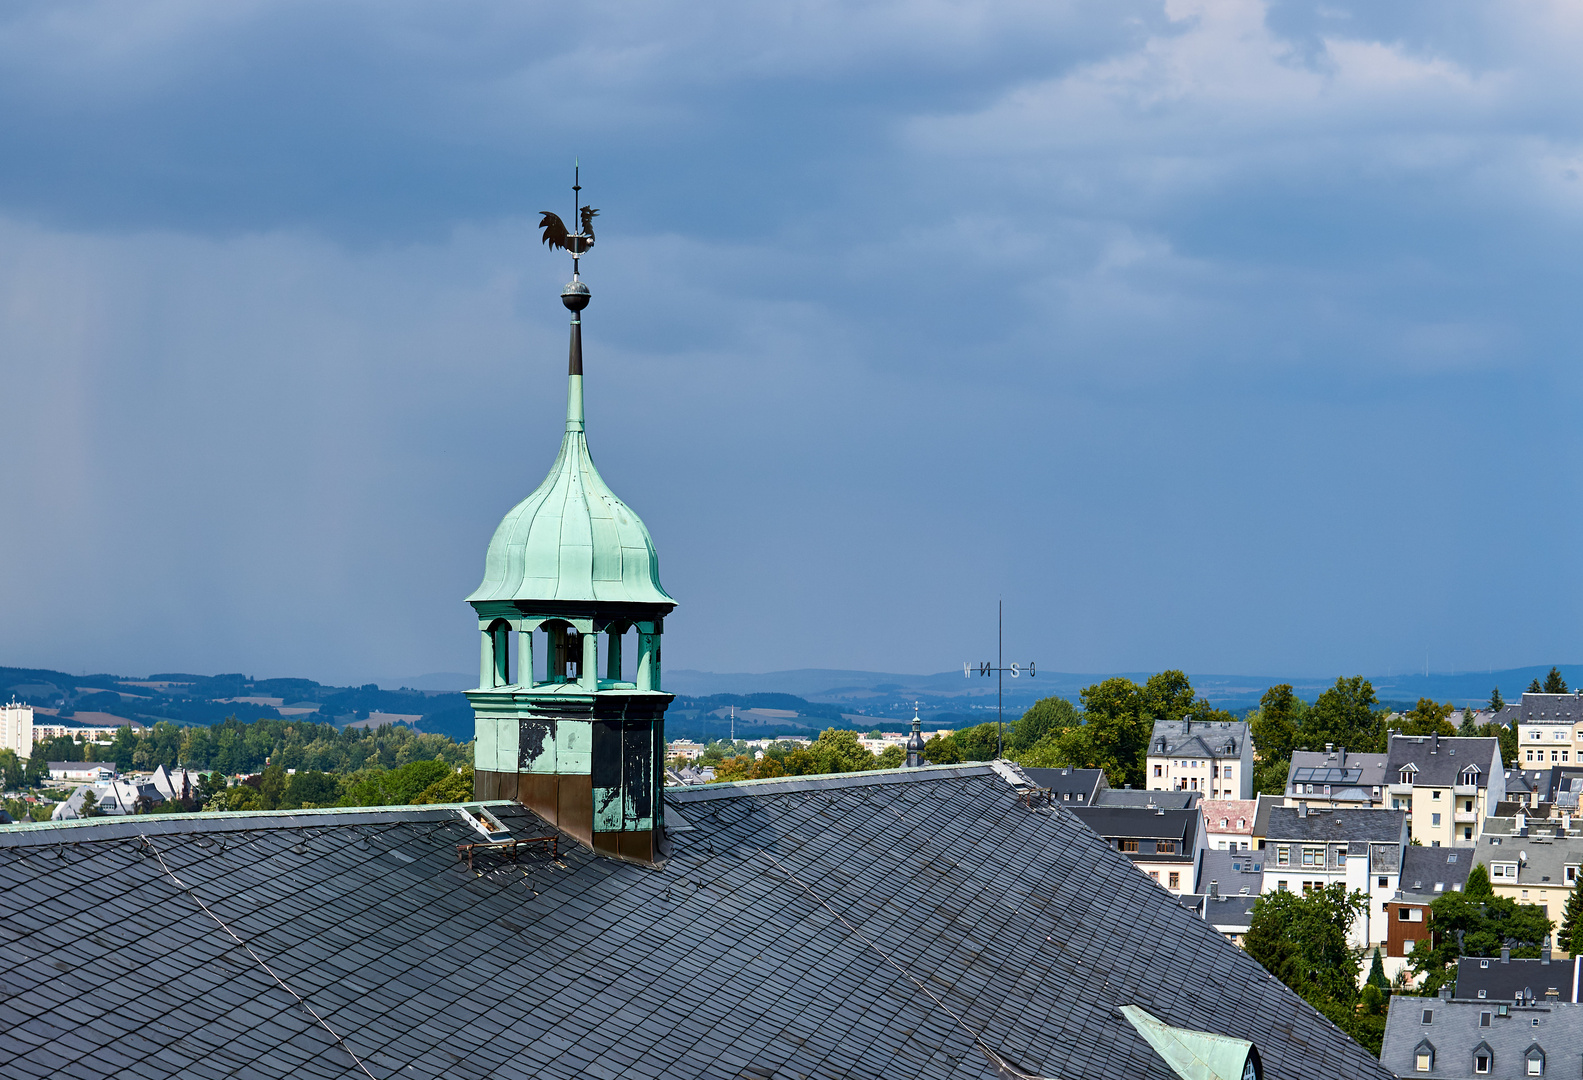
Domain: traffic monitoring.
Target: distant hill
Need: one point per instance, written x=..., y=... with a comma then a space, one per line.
x=186, y=698
x=798, y=702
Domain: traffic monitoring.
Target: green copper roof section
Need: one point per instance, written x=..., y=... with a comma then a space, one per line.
x=572, y=539
x=1197, y=1055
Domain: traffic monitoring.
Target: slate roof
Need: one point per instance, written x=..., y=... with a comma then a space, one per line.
x=1198, y=738
x=1351, y=776
x=1550, y=709
x=1425, y=867
x=1234, y=870
x=1070, y=785
x=1385, y=826
x=1541, y=861
x=1231, y=914
x=1128, y=821
x=1440, y=761
x=869, y=925
x=1504, y=980
x=1138, y=797
x=1454, y=1030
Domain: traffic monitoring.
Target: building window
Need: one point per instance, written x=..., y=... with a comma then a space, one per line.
x=1130, y=846
x=1536, y=1062
x=1555, y=755
x=1481, y=1060
x=1280, y=886
x=1434, y=819
x=1242, y=823
x=1165, y=847
x=1484, y=1019
x=1385, y=882
x=1159, y=770
x=1226, y=774
x=1406, y=776
x=1572, y=874
x=1530, y=756
x=1435, y=795
x=1281, y=855
x=1176, y=880
x=1467, y=832
x=1341, y=857
x=1424, y=1056
x=1225, y=823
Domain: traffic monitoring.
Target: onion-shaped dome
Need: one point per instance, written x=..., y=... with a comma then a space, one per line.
x=572, y=539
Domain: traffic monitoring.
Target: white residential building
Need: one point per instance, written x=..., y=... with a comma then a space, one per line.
x=16, y=729
x=1361, y=849
x=1212, y=756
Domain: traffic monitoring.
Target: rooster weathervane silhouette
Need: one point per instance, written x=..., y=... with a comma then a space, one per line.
x=579, y=243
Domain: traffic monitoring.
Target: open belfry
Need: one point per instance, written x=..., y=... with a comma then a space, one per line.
x=574, y=729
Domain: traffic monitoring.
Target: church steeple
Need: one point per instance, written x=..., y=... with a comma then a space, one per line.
x=571, y=567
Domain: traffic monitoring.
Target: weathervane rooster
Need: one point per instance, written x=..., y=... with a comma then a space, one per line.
x=556, y=236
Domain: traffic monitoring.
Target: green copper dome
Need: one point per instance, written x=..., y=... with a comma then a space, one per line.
x=572, y=539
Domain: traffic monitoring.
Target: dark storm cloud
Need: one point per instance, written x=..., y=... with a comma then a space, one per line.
x=1212, y=335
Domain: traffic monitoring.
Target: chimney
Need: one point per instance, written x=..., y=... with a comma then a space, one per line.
x=1506, y=954
x=1187, y=726
x=1330, y=748
x=1445, y=993
x=1302, y=809
x=1214, y=894
x=1434, y=743
x=1544, y=952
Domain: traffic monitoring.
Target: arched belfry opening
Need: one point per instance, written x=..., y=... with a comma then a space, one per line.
x=574, y=728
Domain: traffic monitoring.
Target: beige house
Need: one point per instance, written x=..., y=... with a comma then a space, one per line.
x=1447, y=786
x=1228, y=823
x=1549, y=729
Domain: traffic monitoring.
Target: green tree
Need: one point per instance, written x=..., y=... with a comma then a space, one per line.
x=90, y=805
x=1115, y=733
x=123, y=748
x=1275, y=724
x=1496, y=702
x=1554, y=683
x=1345, y=715
x=1570, y=926
x=1475, y=922
x=1535, y=688
x=1429, y=718
x=272, y=786
x=893, y=756
x=1301, y=939
x=12, y=770
x=1269, y=777
x=309, y=788
x=938, y=750
x=978, y=743
x=1048, y=716
x=1377, y=971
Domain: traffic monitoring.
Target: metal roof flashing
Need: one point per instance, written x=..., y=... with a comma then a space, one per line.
x=1197, y=1055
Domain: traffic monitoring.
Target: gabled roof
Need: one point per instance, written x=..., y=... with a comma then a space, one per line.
x=1074, y=782
x=1550, y=709
x=1287, y=823
x=1423, y=868
x=1151, y=800
x=812, y=926
x=1440, y=762
x=1198, y=738
x=1127, y=821
x=1455, y=1029
x=1495, y=979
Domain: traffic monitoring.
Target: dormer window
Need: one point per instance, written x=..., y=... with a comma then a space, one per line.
x=1535, y=1059
x=1407, y=774
x=1483, y=1056
x=1470, y=776
x=1424, y=1056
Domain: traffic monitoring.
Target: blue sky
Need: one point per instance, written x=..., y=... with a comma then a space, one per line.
x=1234, y=336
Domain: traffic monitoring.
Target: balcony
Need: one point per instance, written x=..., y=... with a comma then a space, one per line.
x=1467, y=791
x=1465, y=817
x=1400, y=789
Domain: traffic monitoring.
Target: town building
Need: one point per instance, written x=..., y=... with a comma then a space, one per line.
x=1230, y=916
x=82, y=771
x=1211, y=756
x=1529, y=789
x=1334, y=779
x=1427, y=873
x=1360, y=849
x=1228, y=823
x=1448, y=1039
x=1549, y=729
x=1520, y=980
x=1164, y=844
x=1076, y=787
x=16, y=729
x=1531, y=864
x=1447, y=786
